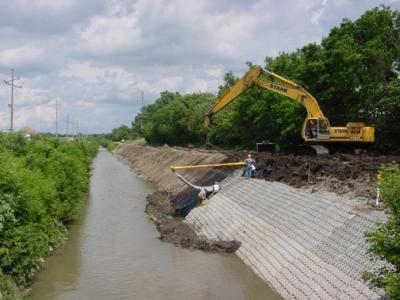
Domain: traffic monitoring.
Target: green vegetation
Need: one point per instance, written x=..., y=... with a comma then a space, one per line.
x=385, y=240
x=354, y=74
x=139, y=141
x=174, y=119
x=106, y=143
x=42, y=184
x=121, y=133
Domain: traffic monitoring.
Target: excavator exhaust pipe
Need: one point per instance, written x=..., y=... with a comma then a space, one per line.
x=266, y=146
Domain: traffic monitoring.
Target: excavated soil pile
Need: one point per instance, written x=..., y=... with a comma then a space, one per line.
x=152, y=164
x=338, y=173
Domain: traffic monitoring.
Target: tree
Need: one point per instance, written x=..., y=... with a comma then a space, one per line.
x=146, y=114
x=385, y=239
x=121, y=133
x=176, y=120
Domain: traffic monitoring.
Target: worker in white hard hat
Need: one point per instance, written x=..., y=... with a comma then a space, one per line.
x=249, y=166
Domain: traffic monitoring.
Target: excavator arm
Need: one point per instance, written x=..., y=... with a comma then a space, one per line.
x=316, y=128
x=279, y=85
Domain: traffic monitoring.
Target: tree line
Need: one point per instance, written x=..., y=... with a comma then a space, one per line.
x=353, y=73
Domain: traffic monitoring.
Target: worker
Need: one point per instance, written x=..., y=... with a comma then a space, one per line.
x=378, y=188
x=207, y=191
x=216, y=187
x=312, y=129
x=249, y=166
x=202, y=196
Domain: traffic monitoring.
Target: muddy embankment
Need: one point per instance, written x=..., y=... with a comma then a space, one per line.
x=353, y=176
x=152, y=164
x=343, y=174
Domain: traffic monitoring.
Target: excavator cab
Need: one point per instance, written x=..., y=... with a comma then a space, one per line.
x=317, y=129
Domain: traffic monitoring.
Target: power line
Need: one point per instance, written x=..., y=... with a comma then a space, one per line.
x=29, y=92
x=56, y=118
x=11, y=105
x=67, y=122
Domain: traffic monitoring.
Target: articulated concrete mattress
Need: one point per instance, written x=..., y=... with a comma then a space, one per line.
x=303, y=246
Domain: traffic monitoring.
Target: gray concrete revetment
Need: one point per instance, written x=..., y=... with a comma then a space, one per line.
x=305, y=246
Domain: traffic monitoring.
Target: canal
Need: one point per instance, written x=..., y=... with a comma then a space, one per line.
x=113, y=252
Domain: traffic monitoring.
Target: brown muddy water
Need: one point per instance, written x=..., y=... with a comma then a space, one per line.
x=114, y=252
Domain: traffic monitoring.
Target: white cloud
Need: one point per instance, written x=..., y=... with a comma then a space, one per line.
x=58, y=5
x=317, y=14
x=18, y=56
x=110, y=35
x=83, y=71
x=215, y=73
x=30, y=111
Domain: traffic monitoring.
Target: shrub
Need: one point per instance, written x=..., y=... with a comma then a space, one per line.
x=385, y=239
x=42, y=184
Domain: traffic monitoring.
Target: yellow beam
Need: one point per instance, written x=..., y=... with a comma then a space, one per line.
x=241, y=163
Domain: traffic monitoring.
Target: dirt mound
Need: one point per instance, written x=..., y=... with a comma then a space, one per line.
x=152, y=163
x=339, y=173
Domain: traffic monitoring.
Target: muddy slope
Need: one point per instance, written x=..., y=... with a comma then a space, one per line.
x=152, y=164
x=339, y=173
x=173, y=230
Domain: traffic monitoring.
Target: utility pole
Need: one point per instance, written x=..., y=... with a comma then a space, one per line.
x=56, y=118
x=11, y=105
x=67, y=122
x=142, y=98
x=77, y=130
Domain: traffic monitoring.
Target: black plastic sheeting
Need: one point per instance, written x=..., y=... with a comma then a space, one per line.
x=183, y=207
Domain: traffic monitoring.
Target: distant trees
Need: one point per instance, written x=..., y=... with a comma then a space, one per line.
x=174, y=119
x=121, y=133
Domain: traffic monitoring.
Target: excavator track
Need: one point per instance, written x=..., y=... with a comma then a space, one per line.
x=312, y=150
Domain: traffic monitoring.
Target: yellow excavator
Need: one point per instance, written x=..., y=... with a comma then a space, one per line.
x=316, y=130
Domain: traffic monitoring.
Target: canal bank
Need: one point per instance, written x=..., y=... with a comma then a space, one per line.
x=114, y=252
x=305, y=245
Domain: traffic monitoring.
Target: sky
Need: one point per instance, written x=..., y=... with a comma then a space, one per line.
x=95, y=57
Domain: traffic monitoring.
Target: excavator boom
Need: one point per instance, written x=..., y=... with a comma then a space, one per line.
x=285, y=87
x=316, y=128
